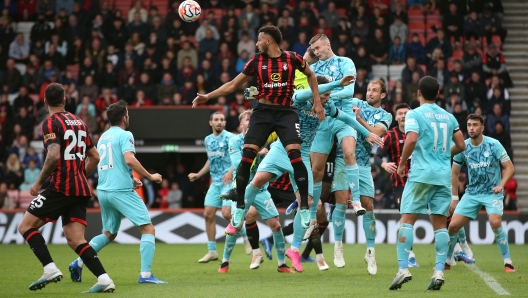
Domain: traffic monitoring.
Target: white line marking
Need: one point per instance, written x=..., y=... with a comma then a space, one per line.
x=489, y=280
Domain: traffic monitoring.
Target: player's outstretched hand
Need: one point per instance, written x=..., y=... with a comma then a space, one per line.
x=401, y=169
x=390, y=167
x=193, y=177
x=347, y=80
x=319, y=111
x=374, y=139
x=156, y=178
x=249, y=93
x=497, y=189
x=330, y=109
x=200, y=98
x=34, y=190
x=137, y=183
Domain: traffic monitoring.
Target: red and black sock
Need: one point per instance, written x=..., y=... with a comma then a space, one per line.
x=300, y=174
x=315, y=241
x=253, y=235
x=38, y=246
x=242, y=174
x=90, y=259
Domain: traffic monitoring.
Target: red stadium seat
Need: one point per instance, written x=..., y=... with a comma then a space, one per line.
x=13, y=194
x=25, y=199
x=342, y=12
x=238, y=11
x=414, y=12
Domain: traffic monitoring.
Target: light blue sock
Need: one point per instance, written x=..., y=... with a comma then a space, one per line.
x=242, y=232
x=338, y=220
x=452, y=243
x=404, y=244
x=229, y=246
x=502, y=242
x=462, y=235
x=315, y=201
x=146, y=250
x=441, y=247
x=369, y=226
x=298, y=231
x=251, y=194
x=317, y=189
x=352, y=174
x=211, y=245
x=97, y=243
x=278, y=240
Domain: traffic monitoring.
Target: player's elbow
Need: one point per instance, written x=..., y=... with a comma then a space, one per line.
x=130, y=159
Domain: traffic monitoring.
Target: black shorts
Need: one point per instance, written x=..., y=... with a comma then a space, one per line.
x=330, y=163
x=267, y=119
x=397, y=192
x=49, y=205
x=281, y=198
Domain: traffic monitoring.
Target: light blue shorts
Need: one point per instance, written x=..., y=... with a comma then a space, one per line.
x=264, y=205
x=328, y=129
x=418, y=197
x=339, y=180
x=366, y=183
x=116, y=204
x=277, y=162
x=212, y=198
x=469, y=205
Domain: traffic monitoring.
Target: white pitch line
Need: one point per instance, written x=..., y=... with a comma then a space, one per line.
x=489, y=280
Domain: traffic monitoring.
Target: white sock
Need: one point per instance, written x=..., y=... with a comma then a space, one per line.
x=213, y=251
x=338, y=243
x=457, y=248
x=507, y=261
x=281, y=263
x=103, y=278
x=371, y=249
x=225, y=260
x=293, y=248
x=319, y=257
x=406, y=270
x=80, y=263
x=145, y=274
x=50, y=267
x=411, y=254
x=256, y=252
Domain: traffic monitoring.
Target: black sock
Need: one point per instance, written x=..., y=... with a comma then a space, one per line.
x=300, y=174
x=288, y=230
x=38, y=246
x=317, y=245
x=308, y=248
x=252, y=232
x=242, y=174
x=90, y=259
x=270, y=239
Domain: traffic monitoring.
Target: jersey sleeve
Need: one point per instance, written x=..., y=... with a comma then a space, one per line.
x=500, y=153
x=387, y=139
x=235, y=154
x=458, y=160
x=348, y=68
x=298, y=61
x=251, y=67
x=50, y=133
x=411, y=122
x=126, y=141
x=386, y=120
x=456, y=127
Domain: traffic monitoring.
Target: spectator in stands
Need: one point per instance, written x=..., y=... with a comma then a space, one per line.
x=160, y=31
x=41, y=30
x=452, y=100
x=117, y=34
x=167, y=87
x=67, y=5
x=490, y=24
x=472, y=28
x=503, y=137
x=200, y=32
x=330, y=15
x=242, y=60
x=185, y=73
x=441, y=74
x=378, y=22
x=496, y=83
x=301, y=45
x=493, y=63
x=209, y=43
x=476, y=89
x=344, y=41
x=245, y=44
x=138, y=8
x=399, y=10
x=137, y=25
x=105, y=100
x=251, y=16
x=436, y=55
x=187, y=51
x=496, y=96
x=265, y=15
x=129, y=71
x=407, y=72
x=360, y=29
x=46, y=8
x=453, y=24
x=26, y=122
x=415, y=4
x=379, y=48
x=89, y=89
x=14, y=175
x=439, y=42
x=454, y=86
x=472, y=60
x=127, y=91
x=23, y=101
x=510, y=193
x=141, y=100
x=6, y=202
x=363, y=61
x=12, y=77
x=174, y=197
x=399, y=28
x=497, y=116
x=30, y=175
x=32, y=155
x=108, y=78
x=382, y=5
x=397, y=52
x=361, y=83
x=19, y=49
x=343, y=27
x=86, y=101
x=416, y=49
x=29, y=79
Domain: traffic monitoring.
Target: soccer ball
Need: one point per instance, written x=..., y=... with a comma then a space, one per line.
x=189, y=11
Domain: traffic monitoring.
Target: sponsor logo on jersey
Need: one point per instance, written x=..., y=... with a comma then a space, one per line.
x=482, y=164
x=275, y=77
x=486, y=154
x=275, y=85
x=215, y=153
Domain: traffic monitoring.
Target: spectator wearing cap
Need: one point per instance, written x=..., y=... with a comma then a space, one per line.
x=399, y=28
x=454, y=86
x=439, y=42
x=493, y=63
x=361, y=29
x=490, y=24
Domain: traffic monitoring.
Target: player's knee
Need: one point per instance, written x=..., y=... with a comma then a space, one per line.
x=495, y=223
x=251, y=217
x=208, y=215
x=73, y=243
x=367, y=203
x=349, y=156
x=274, y=224
x=258, y=181
x=453, y=228
x=226, y=213
x=147, y=229
x=317, y=173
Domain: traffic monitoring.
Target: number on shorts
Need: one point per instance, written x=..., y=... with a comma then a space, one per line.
x=38, y=201
x=298, y=129
x=498, y=204
x=329, y=167
x=268, y=204
x=103, y=148
x=75, y=141
x=443, y=127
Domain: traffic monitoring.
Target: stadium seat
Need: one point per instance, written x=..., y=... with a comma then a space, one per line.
x=21, y=67
x=25, y=199
x=24, y=28
x=395, y=72
x=11, y=98
x=13, y=194
x=380, y=71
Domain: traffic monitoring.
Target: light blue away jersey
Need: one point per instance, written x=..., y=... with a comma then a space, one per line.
x=431, y=159
x=334, y=69
x=483, y=163
x=373, y=116
x=217, y=149
x=114, y=173
x=308, y=123
x=236, y=144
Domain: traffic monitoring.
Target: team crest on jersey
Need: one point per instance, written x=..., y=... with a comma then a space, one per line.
x=333, y=68
x=231, y=149
x=131, y=142
x=285, y=67
x=486, y=154
x=377, y=116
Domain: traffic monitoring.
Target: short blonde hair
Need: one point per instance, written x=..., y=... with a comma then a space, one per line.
x=321, y=36
x=243, y=114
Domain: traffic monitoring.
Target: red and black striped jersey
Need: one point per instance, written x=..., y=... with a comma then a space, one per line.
x=282, y=183
x=275, y=76
x=71, y=133
x=393, y=142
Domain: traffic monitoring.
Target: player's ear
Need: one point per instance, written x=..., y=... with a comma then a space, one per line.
x=64, y=101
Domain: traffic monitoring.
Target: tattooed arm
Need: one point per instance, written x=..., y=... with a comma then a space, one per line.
x=49, y=167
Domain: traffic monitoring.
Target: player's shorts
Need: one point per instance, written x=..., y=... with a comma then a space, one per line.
x=418, y=197
x=264, y=205
x=267, y=119
x=281, y=198
x=116, y=204
x=212, y=198
x=330, y=166
x=339, y=181
x=50, y=205
x=277, y=162
x=470, y=205
x=328, y=129
x=366, y=183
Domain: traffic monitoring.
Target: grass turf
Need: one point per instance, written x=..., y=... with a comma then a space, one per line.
x=177, y=265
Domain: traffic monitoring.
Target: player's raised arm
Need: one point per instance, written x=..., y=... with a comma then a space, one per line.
x=92, y=159
x=225, y=89
x=312, y=82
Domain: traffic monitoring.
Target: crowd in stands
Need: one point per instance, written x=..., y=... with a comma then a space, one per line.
x=147, y=55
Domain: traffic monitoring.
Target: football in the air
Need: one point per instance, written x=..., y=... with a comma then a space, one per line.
x=190, y=11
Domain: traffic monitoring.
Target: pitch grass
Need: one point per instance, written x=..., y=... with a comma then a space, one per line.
x=177, y=265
